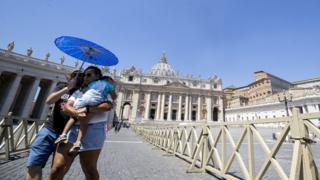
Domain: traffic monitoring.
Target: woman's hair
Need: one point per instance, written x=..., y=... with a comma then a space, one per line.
x=73, y=74
x=96, y=70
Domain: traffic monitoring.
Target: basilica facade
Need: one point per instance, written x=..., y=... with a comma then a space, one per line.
x=162, y=95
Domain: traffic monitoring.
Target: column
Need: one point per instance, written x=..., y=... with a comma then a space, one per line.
x=220, y=112
x=209, y=108
x=190, y=108
x=135, y=103
x=170, y=108
x=199, y=109
x=158, y=107
x=179, y=108
x=11, y=95
x=147, y=109
x=162, y=106
x=28, y=103
x=45, y=109
x=119, y=103
x=186, y=108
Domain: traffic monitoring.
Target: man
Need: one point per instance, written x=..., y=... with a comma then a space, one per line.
x=44, y=146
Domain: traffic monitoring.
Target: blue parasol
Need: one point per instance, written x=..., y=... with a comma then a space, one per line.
x=86, y=51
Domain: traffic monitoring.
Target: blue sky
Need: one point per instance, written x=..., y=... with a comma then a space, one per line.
x=228, y=38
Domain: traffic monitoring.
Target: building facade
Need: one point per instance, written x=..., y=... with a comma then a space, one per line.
x=163, y=95
x=271, y=97
x=25, y=83
x=265, y=85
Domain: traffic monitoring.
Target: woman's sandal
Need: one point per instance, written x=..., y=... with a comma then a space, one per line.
x=74, y=150
x=61, y=139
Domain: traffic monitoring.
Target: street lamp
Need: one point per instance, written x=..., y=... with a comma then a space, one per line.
x=285, y=100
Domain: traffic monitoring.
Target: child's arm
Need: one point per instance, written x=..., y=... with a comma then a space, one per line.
x=68, y=126
x=69, y=109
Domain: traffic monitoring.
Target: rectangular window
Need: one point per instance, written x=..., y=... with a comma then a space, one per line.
x=128, y=95
x=175, y=98
x=194, y=99
x=154, y=97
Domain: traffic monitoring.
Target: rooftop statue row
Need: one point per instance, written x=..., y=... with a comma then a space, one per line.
x=29, y=52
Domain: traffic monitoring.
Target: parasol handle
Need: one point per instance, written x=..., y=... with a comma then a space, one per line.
x=81, y=65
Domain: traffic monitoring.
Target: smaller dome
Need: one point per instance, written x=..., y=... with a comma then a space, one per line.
x=162, y=68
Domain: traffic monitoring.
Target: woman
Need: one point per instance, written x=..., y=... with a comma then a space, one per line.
x=92, y=142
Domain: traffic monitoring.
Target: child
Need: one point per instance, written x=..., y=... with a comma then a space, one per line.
x=97, y=92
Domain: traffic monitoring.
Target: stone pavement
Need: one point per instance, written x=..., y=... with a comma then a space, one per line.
x=124, y=156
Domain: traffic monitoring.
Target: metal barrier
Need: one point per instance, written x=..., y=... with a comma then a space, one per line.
x=18, y=139
x=203, y=153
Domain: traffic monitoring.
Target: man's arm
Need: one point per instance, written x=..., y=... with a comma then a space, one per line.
x=55, y=96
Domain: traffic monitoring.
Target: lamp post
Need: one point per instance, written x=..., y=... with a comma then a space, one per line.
x=285, y=100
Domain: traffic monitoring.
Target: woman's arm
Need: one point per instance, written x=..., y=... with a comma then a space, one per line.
x=106, y=106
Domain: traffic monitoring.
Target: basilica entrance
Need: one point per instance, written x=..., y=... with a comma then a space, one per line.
x=193, y=115
x=215, y=114
x=174, y=115
x=152, y=114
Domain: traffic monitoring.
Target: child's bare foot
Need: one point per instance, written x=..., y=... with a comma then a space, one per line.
x=61, y=139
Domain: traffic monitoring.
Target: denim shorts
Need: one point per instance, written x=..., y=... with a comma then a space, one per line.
x=42, y=148
x=94, y=138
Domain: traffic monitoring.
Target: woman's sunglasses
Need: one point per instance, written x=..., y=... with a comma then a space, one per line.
x=88, y=75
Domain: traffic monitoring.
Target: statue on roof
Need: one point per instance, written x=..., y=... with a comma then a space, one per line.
x=47, y=57
x=62, y=59
x=29, y=52
x=105, y=69
x=114, y=71
x=76, y=63
x=10, y=46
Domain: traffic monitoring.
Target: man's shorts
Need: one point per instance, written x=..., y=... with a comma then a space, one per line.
x=42, y=148
x=94, y=138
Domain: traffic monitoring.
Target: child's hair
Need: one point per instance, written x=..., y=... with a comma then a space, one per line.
x=113, y=94
x=107, y=78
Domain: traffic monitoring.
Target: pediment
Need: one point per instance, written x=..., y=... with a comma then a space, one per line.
x=176, y=85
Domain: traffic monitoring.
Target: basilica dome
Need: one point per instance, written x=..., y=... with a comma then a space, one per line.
x=162, y=68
